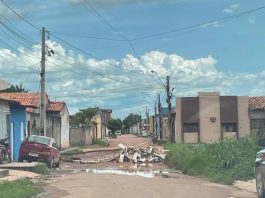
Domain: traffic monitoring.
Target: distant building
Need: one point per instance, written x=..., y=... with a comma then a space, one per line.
x=101, y=121
x=211, y=117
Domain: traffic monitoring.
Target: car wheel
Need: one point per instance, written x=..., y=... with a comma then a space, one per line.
x=58, y=164
x=259, y=183
x=2, y=156
x=51, y=163
x=8, y=158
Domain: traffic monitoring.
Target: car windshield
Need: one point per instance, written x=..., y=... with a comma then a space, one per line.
x=39, y=139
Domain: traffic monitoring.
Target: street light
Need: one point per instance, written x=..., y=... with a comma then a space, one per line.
x=154, y=72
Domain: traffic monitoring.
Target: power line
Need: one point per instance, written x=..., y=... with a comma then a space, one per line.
x=12, y=34
x=67, y=43
x=199, y=25
x=17, y=50
x=87, y=5
x=19, y=16
x=89, y=37
x=91, y=55
x=15, y=28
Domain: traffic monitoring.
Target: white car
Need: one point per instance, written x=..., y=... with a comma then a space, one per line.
x=144, y=133
x=118, y=132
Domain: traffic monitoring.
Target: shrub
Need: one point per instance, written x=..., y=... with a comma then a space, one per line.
x=103, y=142
x=18, y=189
x=41, y=168
x=224, y=161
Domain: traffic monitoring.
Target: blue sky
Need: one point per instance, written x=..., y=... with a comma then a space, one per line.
x=226, y=57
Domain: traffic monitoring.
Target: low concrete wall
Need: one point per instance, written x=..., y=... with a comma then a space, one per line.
x=81, y=136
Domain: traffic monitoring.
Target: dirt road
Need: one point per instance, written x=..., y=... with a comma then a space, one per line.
x=86, y=185
x=72, y=181
x=129, y=140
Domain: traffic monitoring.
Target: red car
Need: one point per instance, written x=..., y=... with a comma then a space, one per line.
x=40, y=148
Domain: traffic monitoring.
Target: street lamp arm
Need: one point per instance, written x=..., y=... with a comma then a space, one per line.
x=154, y=72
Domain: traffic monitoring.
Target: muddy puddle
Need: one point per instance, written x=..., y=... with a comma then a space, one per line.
x=150, y=174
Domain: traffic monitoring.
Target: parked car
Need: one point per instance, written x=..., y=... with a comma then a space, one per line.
x=144, y=133
x=118, y=132
x=260, y=170
x=40, y=148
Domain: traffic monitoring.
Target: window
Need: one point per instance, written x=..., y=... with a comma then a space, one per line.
x=257, y=123
x=229, y=127
x=190, y=127
x=39, y=139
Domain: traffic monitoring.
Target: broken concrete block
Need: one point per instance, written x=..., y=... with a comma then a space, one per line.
x=123, y=147
x=121, y=158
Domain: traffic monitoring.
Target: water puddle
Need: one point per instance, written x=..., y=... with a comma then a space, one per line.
x=123, y=172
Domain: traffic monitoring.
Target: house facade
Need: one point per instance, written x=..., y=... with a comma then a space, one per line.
x=12, y=125
x=211, y=117
x=101, y=121
x=57, y=116
x=18, y=130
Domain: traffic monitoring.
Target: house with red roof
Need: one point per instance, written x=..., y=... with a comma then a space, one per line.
x=12, y=125
x=57, y=115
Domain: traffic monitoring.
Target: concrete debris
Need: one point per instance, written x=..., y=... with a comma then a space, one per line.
x=140, y=155
x=89, y=161
x=75, y=158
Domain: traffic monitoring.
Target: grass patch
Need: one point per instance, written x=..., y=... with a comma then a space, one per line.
x=18, y=189
x=41, y=168
x=222, y=162
x=162, y=142
x=101, y=142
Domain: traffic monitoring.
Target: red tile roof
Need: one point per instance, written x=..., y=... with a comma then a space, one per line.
x=25, y=99
x=257, y=102
x=56, y=106
x=31, y=101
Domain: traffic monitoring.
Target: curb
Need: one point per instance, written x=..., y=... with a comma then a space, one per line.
x=92, y=150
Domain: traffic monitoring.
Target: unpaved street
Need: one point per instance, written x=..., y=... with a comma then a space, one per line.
x=73, y=181
x=86, y=185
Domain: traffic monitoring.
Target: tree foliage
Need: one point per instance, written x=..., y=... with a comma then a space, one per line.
x=114, y=125
x=131, y=120
x=83, y=116
x=16, y=88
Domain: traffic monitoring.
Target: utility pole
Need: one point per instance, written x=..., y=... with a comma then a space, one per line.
x=169, y=110
x=159, y=118
x=42, y=82
x=155, y=120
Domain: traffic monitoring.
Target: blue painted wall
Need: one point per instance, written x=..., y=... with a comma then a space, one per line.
x=17, y=116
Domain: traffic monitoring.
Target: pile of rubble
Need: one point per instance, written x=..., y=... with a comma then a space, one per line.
x=140, y=154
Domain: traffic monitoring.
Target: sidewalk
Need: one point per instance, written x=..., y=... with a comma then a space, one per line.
x=17, y=174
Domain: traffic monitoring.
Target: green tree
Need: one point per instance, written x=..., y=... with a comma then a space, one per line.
x=114, y=125
x=16, y=88
x=131, y=120
x=83, y=116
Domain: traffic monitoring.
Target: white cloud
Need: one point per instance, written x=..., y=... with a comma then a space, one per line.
x=84, y=82
x=251, y=20
x=231, y=9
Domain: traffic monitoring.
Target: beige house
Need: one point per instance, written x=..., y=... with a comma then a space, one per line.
x=211, y=117
x=101, y=121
